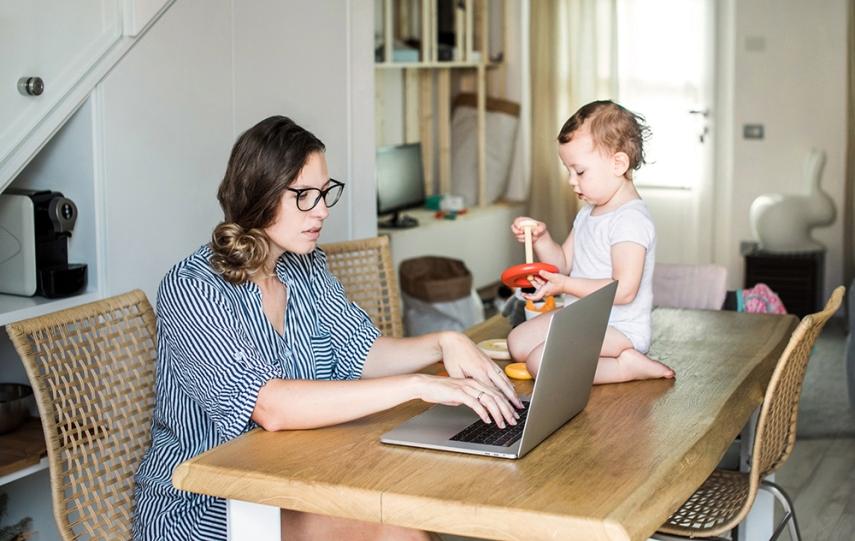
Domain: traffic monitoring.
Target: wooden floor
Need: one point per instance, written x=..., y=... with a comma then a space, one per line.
x=820, y=478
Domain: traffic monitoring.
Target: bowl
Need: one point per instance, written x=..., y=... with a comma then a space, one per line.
x=14, y=405
x=548, y=304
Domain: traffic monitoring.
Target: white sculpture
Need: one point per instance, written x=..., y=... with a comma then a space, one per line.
x=782, y=223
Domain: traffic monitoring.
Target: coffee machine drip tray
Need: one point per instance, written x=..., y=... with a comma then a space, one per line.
x=62, y=280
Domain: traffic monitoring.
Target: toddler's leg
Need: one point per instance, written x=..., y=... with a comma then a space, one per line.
x=525, y=342
x=619, y=361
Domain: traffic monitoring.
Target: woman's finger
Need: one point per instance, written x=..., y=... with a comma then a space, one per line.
x=505, y=409
x=475, y=405
x=504, y=384
x=486, y=399
x=496, y=404
x=493, y=409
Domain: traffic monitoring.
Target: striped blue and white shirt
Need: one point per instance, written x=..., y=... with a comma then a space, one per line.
x=215, y=350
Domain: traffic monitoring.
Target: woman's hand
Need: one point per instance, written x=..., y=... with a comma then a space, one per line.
x=538, y=229
x=485, y=400
x=463, y=359
x=547, y=283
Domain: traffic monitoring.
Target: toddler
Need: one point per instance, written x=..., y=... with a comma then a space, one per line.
x=612, y=238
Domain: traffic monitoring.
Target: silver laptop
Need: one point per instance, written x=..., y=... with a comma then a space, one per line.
x=562, y=388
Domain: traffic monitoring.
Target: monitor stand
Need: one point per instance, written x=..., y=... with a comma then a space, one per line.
x=398, y=221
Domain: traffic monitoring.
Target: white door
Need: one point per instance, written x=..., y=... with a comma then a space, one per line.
x=665, y=68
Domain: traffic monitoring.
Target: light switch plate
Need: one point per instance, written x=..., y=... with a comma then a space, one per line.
x=752, y=131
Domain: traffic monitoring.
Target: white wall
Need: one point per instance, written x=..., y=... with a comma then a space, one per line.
x=165, y=112
x=205, y=72
x=317, y=68
x=795, y=86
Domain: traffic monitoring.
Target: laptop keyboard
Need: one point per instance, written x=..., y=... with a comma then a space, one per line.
x=490, y=434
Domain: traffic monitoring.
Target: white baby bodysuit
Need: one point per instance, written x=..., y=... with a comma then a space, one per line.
x=594, y=237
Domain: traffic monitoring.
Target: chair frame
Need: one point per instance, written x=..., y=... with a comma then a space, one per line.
x=92, y=369
x=381, y=299
x=775, y=435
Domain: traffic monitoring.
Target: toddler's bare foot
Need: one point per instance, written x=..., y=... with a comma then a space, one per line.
x=628, y=366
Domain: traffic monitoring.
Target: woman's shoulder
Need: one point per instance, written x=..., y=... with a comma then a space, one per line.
x=191, y=274
x=197, y=266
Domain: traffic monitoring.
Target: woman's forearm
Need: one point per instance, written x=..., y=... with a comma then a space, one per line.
x=392, y=356
x=302, y=404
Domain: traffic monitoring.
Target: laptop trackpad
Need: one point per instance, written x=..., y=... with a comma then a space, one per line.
x=436, y=424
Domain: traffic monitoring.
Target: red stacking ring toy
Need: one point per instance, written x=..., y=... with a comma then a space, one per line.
x=517, y=276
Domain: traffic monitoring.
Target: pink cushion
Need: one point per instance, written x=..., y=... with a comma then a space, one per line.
x=689, y=286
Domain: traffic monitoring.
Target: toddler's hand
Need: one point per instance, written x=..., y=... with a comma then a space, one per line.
x=547, y=283
x=537, y=230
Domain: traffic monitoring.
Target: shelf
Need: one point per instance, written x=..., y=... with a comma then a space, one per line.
x=434, y=65
x=15, y=308
x=482, y=240
x=22, y=451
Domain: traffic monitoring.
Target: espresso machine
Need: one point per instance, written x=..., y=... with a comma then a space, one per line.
x=35, y=226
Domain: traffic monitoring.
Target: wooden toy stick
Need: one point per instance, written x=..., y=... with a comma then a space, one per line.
x=529, y=254
x=522, y=274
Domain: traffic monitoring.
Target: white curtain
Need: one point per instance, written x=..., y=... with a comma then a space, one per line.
x=573, y=62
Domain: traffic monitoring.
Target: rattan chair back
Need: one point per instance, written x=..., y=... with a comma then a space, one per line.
x=92, y=369
x=775, y=435
x=726, y=497
x=364, y=267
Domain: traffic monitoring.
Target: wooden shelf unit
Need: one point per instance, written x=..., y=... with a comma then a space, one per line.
x=22, y=451
x=428, y=81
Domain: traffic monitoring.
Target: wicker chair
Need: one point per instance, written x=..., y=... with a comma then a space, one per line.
x=364, y=267
x=92, y=370
x=726, y=497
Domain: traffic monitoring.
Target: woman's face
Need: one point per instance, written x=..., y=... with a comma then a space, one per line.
x=294, y=230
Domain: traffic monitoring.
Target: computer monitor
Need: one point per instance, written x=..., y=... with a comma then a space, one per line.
x=400, y=183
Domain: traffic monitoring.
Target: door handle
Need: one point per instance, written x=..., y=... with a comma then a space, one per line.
x=703, y=112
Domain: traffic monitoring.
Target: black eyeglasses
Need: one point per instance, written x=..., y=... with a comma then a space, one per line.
x=308, y=198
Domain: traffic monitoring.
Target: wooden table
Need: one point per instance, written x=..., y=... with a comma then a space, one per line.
x=616, y=471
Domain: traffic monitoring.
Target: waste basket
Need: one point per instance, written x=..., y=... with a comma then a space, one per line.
x=438, y=295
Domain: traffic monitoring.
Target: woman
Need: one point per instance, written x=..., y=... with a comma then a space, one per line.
x=253, y=330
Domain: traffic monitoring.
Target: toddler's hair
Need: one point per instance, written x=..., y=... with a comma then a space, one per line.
x=613, y=129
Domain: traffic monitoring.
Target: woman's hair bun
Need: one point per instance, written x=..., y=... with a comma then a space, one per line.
x=238, y=253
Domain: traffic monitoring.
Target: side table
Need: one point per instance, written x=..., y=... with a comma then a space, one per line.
x=796, y=277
